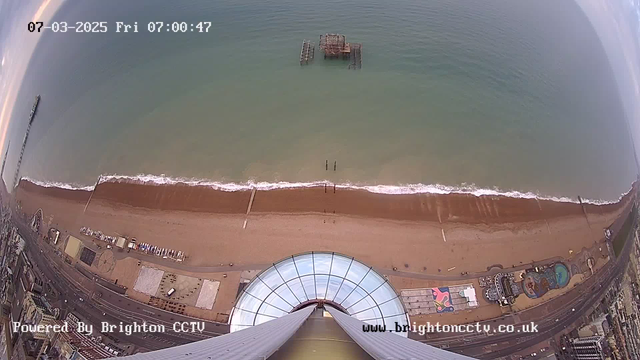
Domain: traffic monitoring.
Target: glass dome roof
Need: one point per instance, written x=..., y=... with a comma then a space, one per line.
x=356, y=288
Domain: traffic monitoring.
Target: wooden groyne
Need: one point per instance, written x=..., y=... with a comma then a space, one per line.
x=307, y=52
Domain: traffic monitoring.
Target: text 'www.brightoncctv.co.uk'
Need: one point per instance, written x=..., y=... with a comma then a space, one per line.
x=428, y=328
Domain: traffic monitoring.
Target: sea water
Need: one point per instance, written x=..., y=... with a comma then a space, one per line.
x=495, y=97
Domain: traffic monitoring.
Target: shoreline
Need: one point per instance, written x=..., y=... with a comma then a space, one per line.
x=438, y=208
x=406, y=189
x=387, y=232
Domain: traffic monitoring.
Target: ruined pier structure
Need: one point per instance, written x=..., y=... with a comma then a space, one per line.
x=334, y=46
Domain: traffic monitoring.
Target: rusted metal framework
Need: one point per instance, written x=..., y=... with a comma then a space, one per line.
x=333, y=45
x=336, y=46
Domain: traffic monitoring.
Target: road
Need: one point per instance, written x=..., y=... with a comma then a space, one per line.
x=101, y=304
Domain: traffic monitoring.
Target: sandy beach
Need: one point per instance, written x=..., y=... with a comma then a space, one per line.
x=421, y=233
x=420, y=240
x=463, y=208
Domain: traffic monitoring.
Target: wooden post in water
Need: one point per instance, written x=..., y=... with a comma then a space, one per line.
x=335, y=165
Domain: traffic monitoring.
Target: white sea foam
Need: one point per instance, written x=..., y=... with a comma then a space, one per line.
x=55, y=184
x=263, y=186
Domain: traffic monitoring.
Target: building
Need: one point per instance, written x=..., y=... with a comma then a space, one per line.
x=36, y=221
x=74, y=345
x=588, y=348
x=313, y=306
x=599, y=326
x=37, y=311
x=6, y=348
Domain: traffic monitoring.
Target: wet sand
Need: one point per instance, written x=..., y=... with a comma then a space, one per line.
x=384, y=231
x=462, y=208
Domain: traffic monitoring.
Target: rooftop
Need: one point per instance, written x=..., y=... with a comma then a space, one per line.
x=41, y=304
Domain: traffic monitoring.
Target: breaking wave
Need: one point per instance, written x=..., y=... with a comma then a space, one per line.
x=264, y=186
x=59, y=185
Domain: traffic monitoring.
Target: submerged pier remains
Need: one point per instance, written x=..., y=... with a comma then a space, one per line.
x=307, y=52
x=334, y=46
x=355, y=54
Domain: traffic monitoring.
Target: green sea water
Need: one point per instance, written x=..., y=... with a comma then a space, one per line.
x=499, y=94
